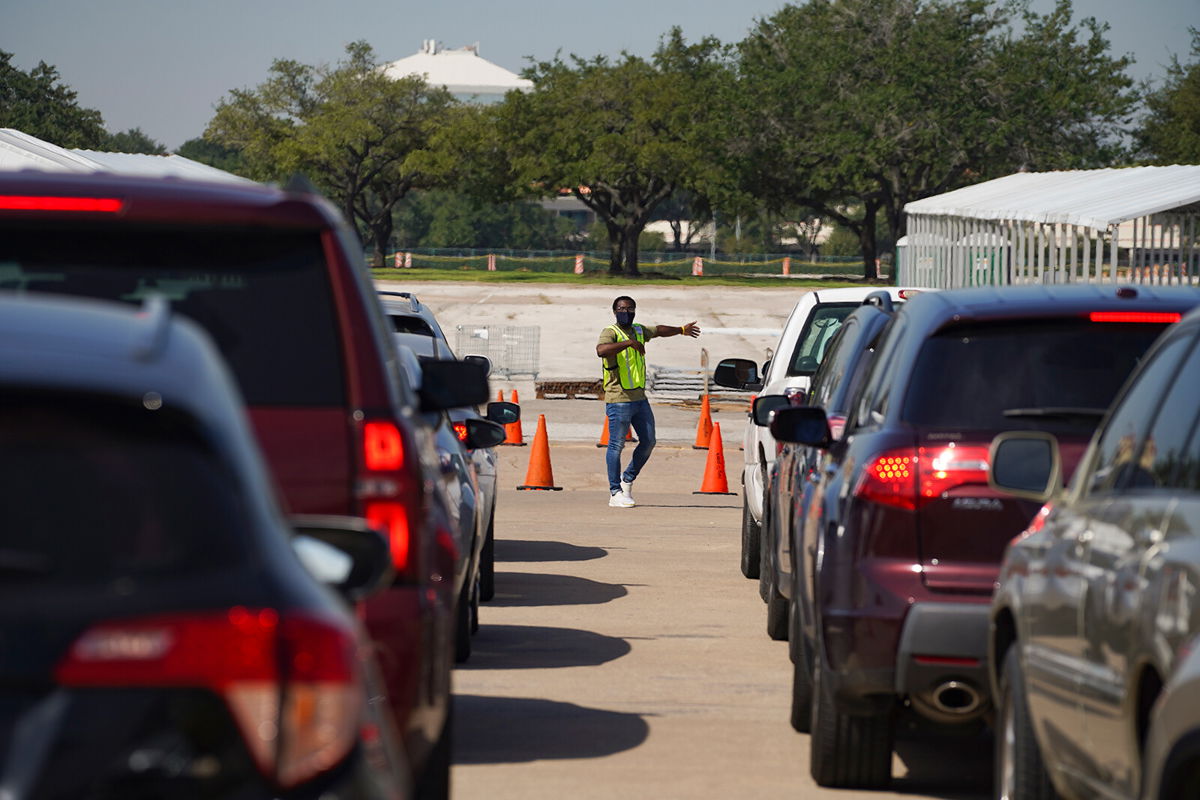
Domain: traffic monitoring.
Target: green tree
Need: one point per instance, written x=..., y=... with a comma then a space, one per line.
x=1170, y=131
x=133, y=141
x=351, y=129
x=445, y=218
x=209, y=152
x=622, y=135
x=856, y=107
x=39, y=104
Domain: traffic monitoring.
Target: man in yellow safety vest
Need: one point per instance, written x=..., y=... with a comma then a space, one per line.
x=622, y=350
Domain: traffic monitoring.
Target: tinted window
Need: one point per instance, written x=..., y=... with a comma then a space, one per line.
x=263, y=295
x=834, y=367
x=406, y=324
x=816, y=336
x=92, y=492
x=1042, y=375
x=872, y=404
x=1162, y=452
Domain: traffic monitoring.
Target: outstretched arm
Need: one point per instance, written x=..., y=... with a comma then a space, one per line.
x=690, y=329
x=612, y=348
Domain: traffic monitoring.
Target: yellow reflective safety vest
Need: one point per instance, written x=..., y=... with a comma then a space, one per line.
x=631, y=364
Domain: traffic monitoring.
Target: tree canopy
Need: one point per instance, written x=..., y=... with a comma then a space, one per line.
x=622, y=136
x=1170, y=132
x=40, y=104
x=856, y=107
x=351, y=129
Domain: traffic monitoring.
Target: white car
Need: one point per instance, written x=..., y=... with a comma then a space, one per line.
x=805, y=339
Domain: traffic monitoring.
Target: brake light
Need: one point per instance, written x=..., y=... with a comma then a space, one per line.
x=795, y=395
x=1135, y=316
x=291, y=683
x=942, y=469
x=890, y=479
x=391, y=518
x=20, y=202
x=390, y=489
x=909, y=479
x=460, y=430
x=383, y=446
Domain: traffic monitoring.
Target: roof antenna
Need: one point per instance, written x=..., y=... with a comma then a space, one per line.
x=151, y=338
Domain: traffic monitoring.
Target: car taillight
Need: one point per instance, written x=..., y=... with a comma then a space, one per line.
x=24, y=202
x=1159, y=317
x=891, y=479
x=909, y=478
x=837, y=426
x=389, y=489
x=460, y=430
x=795, y=395
x=943, y=468
x=291, y=682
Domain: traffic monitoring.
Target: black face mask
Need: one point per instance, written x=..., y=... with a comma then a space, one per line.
x=625, y=318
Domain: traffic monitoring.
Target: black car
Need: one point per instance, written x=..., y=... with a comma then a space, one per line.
x=1096, y=612
x=160, y=635
x=906, y=534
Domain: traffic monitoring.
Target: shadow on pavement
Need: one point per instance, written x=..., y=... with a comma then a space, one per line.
x=533, y=647
x=682, y=505
x=536, y=589
x=507, y=730
x=948, y=767
x=523, y=550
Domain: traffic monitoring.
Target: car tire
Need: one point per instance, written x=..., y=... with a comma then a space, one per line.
x=777, y=613
x=751, y=533
x=848, y=751
x=462, y=626
x=434, y=783
x=487, y=562
x=802, y=682
x=1020, y=771
x=476, y=590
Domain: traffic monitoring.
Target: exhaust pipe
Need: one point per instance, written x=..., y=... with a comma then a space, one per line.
x=955, y=698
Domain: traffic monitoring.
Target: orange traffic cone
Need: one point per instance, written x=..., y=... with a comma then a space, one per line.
x=604, y=434
x=540, y=475
x=513, y=435
x=704, y=427
x=714, y=468
x=499, y=395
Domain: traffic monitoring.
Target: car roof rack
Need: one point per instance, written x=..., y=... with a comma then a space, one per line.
x=409, y=296
x=882, y=299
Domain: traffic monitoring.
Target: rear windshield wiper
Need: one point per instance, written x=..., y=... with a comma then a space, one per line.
x=15, y=562
x=1057, y=412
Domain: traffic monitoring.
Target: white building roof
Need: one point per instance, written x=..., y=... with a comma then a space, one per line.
x=1096, y=198
x=21, y=151
x=462, y=71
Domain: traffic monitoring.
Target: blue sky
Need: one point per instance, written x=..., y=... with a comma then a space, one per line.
x=162, y=65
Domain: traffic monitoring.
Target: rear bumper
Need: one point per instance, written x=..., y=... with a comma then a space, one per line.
x=941, y=663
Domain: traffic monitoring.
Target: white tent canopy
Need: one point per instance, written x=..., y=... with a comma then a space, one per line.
x=21, y=151
x=463, y=72
x=1138, y=223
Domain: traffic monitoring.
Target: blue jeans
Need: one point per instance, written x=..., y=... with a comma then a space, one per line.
x=620, y=417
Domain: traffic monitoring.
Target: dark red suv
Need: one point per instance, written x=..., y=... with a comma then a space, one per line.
x=903, y=538
x=276, y=277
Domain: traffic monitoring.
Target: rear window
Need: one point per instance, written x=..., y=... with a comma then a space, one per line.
x=1041, y=375
x=406, y=324
x=93, y=492
x=815, y=338
x=263, y=295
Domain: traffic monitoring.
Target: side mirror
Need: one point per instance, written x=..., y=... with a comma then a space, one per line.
x=483, y=361
x=760, y=410
x=737, y=373
x=482, y=433
x=805, y=425
x=452, y=384
x=343, y=552
x=503, y=413
x=1026, y=464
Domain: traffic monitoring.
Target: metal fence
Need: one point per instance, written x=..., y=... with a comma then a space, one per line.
x=512, y=349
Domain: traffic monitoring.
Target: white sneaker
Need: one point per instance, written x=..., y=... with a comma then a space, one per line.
x=619, y=500
x=627, y=489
